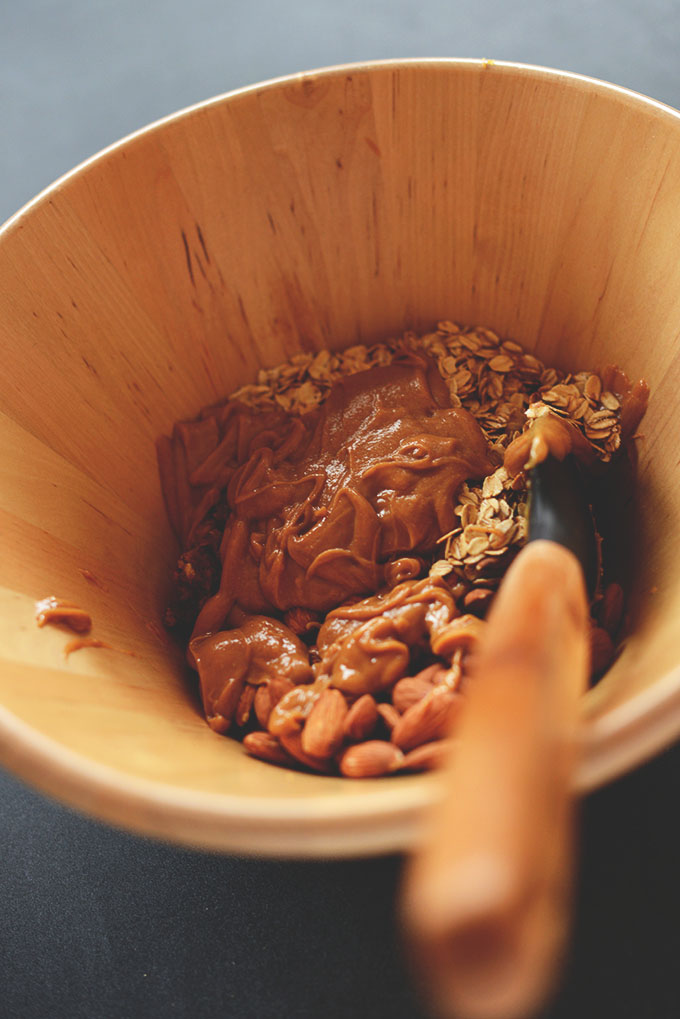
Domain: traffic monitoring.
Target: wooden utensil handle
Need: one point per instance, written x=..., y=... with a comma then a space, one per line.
x=487, y=896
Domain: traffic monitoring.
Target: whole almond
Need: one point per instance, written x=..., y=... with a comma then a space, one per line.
x=478, y=600
x=291, y=712
x=370, y=759
x=389, y=715
x=323, y=733
x=268, y=696
x=409, y=691
x=361, y=719
x=432, y=673
x=266, y=747
x=292, y=742
x=427, y=756
x=432, y=718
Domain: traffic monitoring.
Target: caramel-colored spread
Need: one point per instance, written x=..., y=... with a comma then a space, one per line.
x=367, y=646
x=321, y=506
x=256, y=651
x=83, y=642
x=65, y=613
x=548, y=435
x=324, y=509
x=56, y=610
x=551, y=434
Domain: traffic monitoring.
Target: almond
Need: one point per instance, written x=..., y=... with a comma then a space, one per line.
x=478, y=599
x=292, y=742
x=427, y=756
x=323, y=733
x=289, y=715
x=389, y=715
x=411, y=689
x=360, y=720
x=267, y=748
x=370, y=759
x=408, y=691
x=431, y=673
x=430, y=719
x=268, y=696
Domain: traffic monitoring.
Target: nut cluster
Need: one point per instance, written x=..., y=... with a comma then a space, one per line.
x=409, y=728
x=360, y=738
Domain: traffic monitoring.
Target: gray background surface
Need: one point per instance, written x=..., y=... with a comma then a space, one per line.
x=78, y=75
x=96, y=923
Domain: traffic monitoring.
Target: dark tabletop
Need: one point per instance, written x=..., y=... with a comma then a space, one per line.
x=97, y=923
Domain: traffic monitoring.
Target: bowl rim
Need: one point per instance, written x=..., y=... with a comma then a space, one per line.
x=458, y=63
x=380, y=821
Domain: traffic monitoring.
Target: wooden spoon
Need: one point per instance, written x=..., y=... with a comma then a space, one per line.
x=487, y=896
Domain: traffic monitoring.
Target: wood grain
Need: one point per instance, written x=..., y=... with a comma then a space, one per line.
x=328, y=208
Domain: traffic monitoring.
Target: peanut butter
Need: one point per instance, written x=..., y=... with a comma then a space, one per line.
x=324, y=509
x=57, y=610
x=318, y=508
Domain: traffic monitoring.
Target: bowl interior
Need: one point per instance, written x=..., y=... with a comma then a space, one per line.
x=327, y=209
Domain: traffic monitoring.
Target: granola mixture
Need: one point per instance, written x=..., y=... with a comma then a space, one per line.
x=298, y=715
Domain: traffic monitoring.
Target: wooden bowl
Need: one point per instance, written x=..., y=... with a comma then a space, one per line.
x=328, y=208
